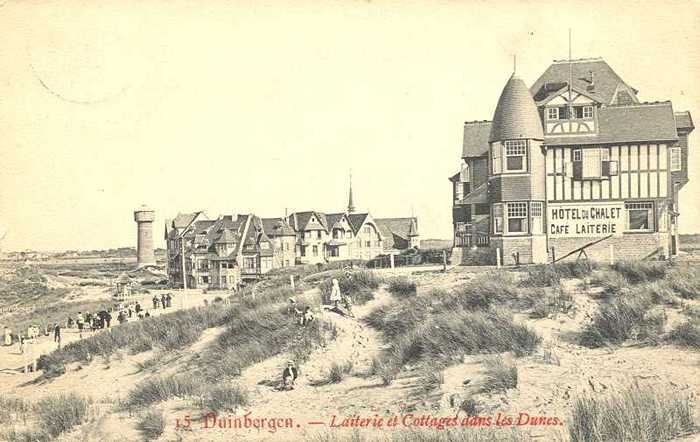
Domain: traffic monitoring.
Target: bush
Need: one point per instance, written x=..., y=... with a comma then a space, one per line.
x=634, y=415
x=612, y=282
x=687, y=334
x=402, y=286
x=641, y=271
x=479, y=293
x=60, y=413
x=624, y=318
x=500, y=375
x=386, y=371
x=158, y=389
x=224, y=398
x=685, y=282
x=338, y=371
x=152, y=424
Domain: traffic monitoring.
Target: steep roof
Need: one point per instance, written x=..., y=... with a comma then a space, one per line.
x=476, y=138
x=356, y=220
x=684, y=121
x=299, y=220
x=644, y=122
x=277, y=227
x=228, y=237
x=392, y=228
x=516, y=114
x=333, y=218
x=183, y=220
x=603, y=88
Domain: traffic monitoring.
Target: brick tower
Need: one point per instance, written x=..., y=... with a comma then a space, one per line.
x=145, y=255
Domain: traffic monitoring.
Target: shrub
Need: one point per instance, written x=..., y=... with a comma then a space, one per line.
x=687, y=334
x=13, y=409
x=479, y=293
x=500, y=375
x=634, y=415
x=224, y=398
x=158, y=389
x=152, y=424
x=60, y=413
x=641, y=271
x=402, y=286
x=338, y=371
x=622, y=319
x=431, y=375
x=478, y=257
x=612, y=282
x=385, y=369
x=685, y=282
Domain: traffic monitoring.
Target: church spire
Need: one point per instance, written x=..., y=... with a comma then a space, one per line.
x=351, y=205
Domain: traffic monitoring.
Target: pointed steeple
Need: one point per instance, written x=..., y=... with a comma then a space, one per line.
x=351, y=205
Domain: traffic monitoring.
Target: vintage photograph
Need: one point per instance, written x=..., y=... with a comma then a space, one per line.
x=349, y=221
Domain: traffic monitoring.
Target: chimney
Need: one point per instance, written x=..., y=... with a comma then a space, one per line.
x=592, y=78
x=234, y=217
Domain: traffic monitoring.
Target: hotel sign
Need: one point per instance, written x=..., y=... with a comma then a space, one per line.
x=585, y=219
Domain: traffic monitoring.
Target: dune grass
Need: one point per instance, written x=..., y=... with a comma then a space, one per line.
x=151, y=424
x=686, y=334
x=548, y=275
x=222, y=398
x=359, y=284
x=402, y=286
x=633, y=415
x=500, y=374
x=161, y=388
x=52, y=416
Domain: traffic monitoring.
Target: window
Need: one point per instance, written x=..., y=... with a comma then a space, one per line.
x=640, y=216
x=496, y=163
x=348, y=234
x=516, y=155
x=587, y=111
x=517, y=217
x=286, y=263
x=368, y=229
x=464, y=173
x=264, y=246
x=249, y=263
x=498, y=218
x=302, y=250
x=314, y=250
x=223, y=280
x=368, y=243
x=552, y=113
x=676, y=164
x=593, y=163
x=536, y=215
x=318, y=234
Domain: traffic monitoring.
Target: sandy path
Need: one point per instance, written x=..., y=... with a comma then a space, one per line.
x=12, y=361
x=312, y=400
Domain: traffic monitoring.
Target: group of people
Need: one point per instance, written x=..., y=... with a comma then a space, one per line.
x=165, y=301
x=33, y=332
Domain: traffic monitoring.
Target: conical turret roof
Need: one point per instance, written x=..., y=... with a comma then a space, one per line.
x=516, y=114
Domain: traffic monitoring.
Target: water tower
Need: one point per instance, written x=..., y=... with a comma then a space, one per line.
x=145, y=255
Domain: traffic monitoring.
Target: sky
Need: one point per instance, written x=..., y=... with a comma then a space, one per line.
x=239, y=107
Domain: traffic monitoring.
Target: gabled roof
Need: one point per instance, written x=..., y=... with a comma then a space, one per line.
x=299, y=220
x=476, y=138
x=333, y=219
x=603, y=88
x=516, y=114
x=356, y=220
x=393, y=228
x=644, y=122
x=183, y=220
x=684, y=121
x=277, y=227
x=228, y=237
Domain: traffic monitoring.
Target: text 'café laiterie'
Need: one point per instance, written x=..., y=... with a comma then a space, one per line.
x=574, y=159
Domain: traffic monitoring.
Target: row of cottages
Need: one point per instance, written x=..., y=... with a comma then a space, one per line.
x=231, y=249
x=573, y=160
x=224, y=252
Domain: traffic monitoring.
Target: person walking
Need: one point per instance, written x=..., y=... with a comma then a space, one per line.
x=7, y=336
x=155, y=301
x=335, y=293
x=81, y=323
x=163, y=302
x=138, y=307
x=168, y=300
x=57, y=335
